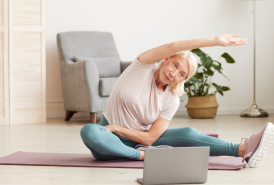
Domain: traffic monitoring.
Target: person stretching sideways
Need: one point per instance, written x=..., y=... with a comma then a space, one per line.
x=145, y=98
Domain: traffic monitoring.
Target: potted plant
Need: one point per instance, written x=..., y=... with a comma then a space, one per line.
x=201, y=103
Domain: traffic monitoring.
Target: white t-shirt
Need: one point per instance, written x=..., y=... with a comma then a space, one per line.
x=135, y=102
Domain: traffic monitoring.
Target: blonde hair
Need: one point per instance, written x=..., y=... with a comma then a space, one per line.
x=178, y=88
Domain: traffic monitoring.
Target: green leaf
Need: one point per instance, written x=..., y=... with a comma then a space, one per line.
x=217, y=67
x=197, y=51
x=208, y=63
x=186, y=85
x=225, y=88
x=203, y=58
x=217, y=87
x=219, y=64
x=228, y=58
x=209, y=72
x=195, y=80
x=199, y=75
x=221, y=92
x=206, y=93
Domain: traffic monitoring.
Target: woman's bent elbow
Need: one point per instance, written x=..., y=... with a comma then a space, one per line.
x=149, y=142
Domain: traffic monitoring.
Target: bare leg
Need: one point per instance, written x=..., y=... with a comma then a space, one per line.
x=142, y=156
x=242, y=148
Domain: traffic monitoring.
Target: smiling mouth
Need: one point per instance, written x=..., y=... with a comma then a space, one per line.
x=167, y=77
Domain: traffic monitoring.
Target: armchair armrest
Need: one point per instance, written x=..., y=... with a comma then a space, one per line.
x=80, y=81
x=124, y=65
x=92, y=78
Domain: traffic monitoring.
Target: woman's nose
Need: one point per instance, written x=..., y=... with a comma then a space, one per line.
x=172, y=74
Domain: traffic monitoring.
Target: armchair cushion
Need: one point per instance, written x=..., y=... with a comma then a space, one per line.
x=107, y=66
x=106, y=85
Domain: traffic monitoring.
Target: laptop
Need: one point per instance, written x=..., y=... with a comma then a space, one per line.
x=175, y=165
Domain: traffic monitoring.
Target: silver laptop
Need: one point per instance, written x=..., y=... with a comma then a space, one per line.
x=175, y=165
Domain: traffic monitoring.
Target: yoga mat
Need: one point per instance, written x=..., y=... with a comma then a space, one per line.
x=87, y=160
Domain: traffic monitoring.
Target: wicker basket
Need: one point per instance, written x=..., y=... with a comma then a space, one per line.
x=202, y=106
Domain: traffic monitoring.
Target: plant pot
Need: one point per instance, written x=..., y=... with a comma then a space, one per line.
x=202, y=106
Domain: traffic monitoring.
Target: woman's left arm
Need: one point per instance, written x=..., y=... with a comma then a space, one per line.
x=146, y=138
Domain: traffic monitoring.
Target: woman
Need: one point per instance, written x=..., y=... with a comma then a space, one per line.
x=146, y=97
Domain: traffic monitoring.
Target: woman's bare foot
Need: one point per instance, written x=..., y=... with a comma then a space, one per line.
x=241, y=149
x=142, y=156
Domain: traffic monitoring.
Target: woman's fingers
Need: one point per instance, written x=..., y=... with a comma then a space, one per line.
x=241, y=43
x=107, y=127
x=235, y=35
x=240, y=40
x=230, y=40
x=237, y=43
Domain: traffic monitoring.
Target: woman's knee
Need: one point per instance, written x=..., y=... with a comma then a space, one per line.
x=89, y=133
x=189, y=130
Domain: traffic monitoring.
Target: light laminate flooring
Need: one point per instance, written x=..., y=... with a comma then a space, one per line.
x=57, y=135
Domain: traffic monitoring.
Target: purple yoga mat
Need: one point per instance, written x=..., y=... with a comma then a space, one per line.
x=87, y=160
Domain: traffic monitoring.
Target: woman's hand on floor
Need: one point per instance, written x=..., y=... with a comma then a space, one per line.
x=229, y=40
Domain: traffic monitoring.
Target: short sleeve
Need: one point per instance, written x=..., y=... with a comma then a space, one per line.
x=141, y=65
x=171, y=109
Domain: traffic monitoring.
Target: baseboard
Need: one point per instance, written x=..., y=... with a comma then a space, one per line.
x=224, y=111
x=55, y=109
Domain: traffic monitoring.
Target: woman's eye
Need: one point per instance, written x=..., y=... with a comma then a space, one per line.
x=182, y=74
x=174, y=64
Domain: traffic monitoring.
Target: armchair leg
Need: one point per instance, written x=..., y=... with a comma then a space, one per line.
x=93, y=117
x=69, y=114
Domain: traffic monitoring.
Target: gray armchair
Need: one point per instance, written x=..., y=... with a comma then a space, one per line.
x=89, y=66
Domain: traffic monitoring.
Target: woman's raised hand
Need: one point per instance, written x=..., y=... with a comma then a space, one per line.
x=229, y=40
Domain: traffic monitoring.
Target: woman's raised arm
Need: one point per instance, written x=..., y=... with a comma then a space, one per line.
x=164, y=51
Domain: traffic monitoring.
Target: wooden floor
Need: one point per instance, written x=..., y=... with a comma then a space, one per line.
x=64, y=137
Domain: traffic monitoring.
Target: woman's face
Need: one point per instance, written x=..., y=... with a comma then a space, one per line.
x=174, y=70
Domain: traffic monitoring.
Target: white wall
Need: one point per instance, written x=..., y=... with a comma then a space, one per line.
x=140, y=25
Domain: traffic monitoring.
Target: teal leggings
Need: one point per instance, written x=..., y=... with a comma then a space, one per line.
x=109, y=146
